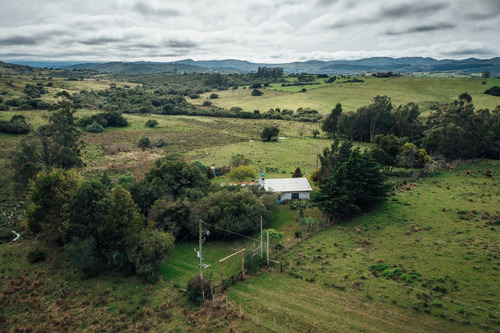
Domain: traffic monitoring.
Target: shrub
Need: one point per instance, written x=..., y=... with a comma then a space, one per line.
x=494, y=91
x=379, y=267
x=144, y=143
x=194, y=96
x=257, y=92
x=199, y=289
x=207, y=103
x=298, y=234
x=392, y=273
x=36, y=255
x=214, y=96
x=84, y=256
x=297, y=173
x=270, y=133
x=158, y=142
x=6, y=235
x=94, y=128
x=16, y=125
x=242, y=173
x=152, y=123
x=253, y=263
x=150, y=249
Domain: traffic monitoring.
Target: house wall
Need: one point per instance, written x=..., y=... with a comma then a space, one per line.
x=288, y=196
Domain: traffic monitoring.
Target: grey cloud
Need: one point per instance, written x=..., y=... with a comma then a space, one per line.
x=468, y=52
x=179, y=44
x=481, y=16
x=19, y=40
x=406, y=9
x=100, y=41
x=325, y=3
x=422, y=28
x=145, y=9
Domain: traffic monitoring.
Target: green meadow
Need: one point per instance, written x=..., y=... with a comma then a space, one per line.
x=423, y=91
x=427, y=260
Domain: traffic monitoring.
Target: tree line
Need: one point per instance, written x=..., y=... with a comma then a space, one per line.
x=454, y=130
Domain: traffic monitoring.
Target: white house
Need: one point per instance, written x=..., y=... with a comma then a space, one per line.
x=288, y=188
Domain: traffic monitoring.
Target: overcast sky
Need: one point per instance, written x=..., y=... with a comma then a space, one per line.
x=256, y=30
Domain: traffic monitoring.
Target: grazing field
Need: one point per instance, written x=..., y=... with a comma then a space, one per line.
x=426, y=260
x=423, y=91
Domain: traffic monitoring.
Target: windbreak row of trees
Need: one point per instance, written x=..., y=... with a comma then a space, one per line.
x=455, y=130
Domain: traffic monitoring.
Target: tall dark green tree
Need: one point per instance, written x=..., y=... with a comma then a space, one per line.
x=456, y=130
x=407, y=122
x=355, y=186
x=330, y=123
x=330, y=158
x=386, y=149
x=59, y=139
x=85, y=211
x=27, y=162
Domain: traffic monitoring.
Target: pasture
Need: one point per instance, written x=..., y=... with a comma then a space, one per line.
x=426, y=260
x=423, y=91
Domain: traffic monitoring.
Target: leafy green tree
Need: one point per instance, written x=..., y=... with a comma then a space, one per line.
x=270, y=133
x=407, y=122
x=27, y=162
x=85, y=256
x=151, y=248
x=330, y=123
x=85, y=211
x=50, y=191
x=386, y=149
x=16, y=125
x=456, y=130
x=242, y=173
x=171, y=216
x=120, y=228
x=172, y=178
x=234, y=209
x=355, y=185
x=59, y=139
x=330, y=158
x=239, y=159
x=412, y=157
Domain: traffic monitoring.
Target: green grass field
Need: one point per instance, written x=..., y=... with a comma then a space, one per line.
x=423, y=91
x=441, y=231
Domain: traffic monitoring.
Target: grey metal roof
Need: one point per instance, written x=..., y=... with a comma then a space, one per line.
x=287, y=185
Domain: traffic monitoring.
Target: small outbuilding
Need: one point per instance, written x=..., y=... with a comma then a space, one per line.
x=288, y=188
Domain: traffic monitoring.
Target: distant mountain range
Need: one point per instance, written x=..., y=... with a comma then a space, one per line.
x=361, y=66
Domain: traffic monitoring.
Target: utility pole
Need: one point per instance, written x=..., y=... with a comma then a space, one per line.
x=200, y=231
x=267, y=247
x=261, y=240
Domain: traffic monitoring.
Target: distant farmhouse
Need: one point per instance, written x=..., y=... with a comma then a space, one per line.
x=288, y=188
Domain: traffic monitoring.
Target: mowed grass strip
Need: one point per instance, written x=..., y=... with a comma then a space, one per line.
x=288, y=302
